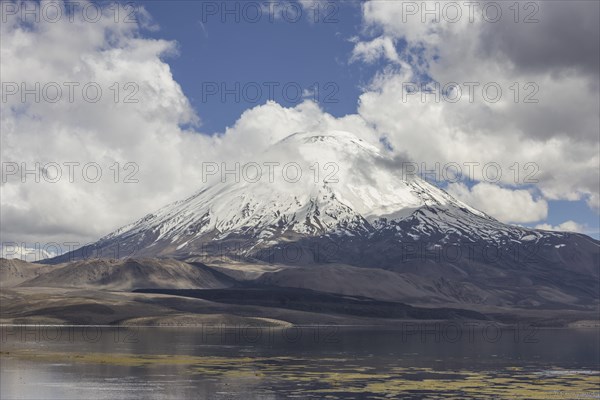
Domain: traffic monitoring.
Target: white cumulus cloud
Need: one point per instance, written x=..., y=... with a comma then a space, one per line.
x=567, y=226
x=506, y=205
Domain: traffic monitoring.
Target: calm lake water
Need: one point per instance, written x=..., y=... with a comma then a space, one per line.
x=413, y=361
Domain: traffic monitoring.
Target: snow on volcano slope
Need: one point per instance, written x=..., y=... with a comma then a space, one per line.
x=310, y=184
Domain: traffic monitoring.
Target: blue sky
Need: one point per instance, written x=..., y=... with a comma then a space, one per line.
x=307, y=53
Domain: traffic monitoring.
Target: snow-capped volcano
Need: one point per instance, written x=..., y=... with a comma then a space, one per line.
x=332, y=190
x=335, y=202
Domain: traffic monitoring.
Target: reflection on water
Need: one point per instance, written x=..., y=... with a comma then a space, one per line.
x=414, y=361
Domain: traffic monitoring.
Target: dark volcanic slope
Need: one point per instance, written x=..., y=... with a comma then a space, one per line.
x=308, y=300
x=15, y=271
x=130, y=274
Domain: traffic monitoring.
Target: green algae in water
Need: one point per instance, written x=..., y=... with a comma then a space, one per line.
x=333, y=378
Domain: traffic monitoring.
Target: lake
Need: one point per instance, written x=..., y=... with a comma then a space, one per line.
x=450, y=360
